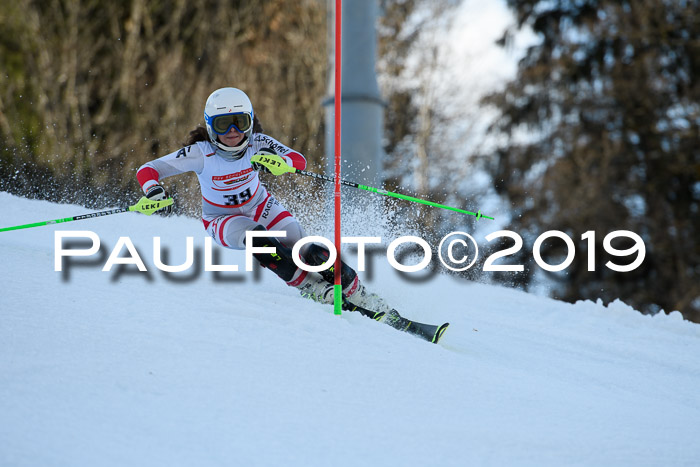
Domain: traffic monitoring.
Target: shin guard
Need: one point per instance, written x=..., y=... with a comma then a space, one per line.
x=280, y=262
x=318, y=255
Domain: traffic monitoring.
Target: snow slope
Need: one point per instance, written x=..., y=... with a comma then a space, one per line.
x=126, y=368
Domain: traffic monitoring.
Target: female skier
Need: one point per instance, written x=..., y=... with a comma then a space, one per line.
x=235, y=201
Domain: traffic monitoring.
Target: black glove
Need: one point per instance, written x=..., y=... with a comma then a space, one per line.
x=260, y=167
x=158, y=193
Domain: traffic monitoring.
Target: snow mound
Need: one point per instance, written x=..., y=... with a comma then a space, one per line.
x=234, y=368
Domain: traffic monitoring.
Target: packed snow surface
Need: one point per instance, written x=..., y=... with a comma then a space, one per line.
x=234, y=368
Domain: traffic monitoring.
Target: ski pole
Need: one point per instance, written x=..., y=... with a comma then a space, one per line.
x=277, y=166
x=144, y=206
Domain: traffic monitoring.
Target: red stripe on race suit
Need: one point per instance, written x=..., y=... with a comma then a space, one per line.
x=298, y=280
x=258, y=212
x=277, y=219
x=352, y=288
x=146, y=174
x=298, y=161
x=221, y=226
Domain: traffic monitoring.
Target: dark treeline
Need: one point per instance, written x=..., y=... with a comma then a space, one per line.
x=610, y=103
x=92, y=89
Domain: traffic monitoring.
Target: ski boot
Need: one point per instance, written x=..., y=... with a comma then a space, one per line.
x=315, y=288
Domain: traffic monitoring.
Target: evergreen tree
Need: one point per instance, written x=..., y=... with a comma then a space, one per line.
x=603, y=127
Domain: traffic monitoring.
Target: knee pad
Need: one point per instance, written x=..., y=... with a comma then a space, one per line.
x=280, y=262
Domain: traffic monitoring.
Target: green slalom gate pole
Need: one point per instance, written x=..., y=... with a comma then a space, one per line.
x=277, y=166
x=144, y=206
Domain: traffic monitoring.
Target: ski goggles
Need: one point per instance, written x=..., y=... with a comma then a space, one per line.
x=221, y=124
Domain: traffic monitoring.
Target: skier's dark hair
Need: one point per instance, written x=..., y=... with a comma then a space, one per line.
x=200, y=133
x=257, y=126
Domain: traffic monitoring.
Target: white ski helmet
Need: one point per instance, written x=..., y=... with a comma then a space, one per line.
x=226, y=108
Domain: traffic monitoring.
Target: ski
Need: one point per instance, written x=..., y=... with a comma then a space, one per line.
x=429, y=332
